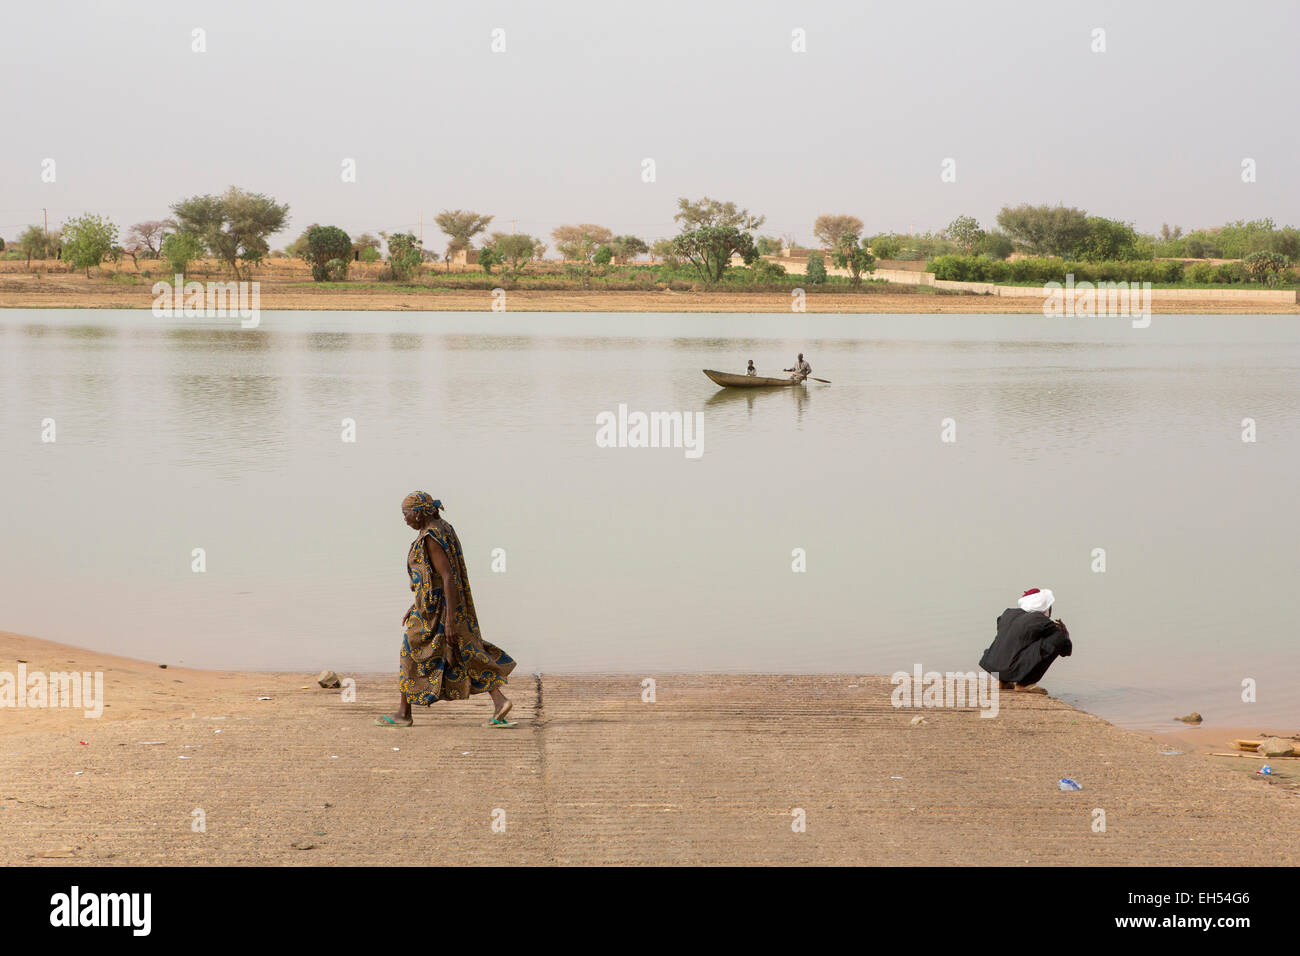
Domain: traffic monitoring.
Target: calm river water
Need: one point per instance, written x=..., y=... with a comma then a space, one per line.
x=1071, y=435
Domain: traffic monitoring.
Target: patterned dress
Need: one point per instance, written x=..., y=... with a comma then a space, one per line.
x=431, y=668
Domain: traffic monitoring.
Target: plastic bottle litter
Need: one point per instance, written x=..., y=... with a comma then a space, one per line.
x=1266, y=770
x=1068, y=784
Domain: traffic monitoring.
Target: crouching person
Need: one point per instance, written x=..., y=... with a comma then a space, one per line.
x=1027, y=642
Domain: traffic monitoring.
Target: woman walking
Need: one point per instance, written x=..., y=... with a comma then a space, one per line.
x=443, y=655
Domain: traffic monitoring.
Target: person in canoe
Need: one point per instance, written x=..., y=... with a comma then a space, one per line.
x=751, y=371
x=1027, y=643
x=801, y=369
x=444, y=657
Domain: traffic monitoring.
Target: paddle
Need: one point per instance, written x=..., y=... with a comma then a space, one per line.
x=824, y=381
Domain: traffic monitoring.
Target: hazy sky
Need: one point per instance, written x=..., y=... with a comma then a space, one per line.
x=555, y=128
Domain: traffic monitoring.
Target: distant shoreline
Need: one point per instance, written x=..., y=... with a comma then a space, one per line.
x=285, y=285
x=58, y=292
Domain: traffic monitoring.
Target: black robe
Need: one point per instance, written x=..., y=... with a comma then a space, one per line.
x=1026, y=643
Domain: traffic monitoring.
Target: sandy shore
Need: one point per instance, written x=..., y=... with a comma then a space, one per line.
x=65, y=291
x=710, y=773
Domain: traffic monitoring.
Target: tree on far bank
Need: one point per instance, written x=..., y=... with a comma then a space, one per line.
x=363, y=242
x=34, y=244
x=1045, y=230
x=460, y=226
x=1266, y=267
x=852, y=254
x=829, y=230
x=514, y=250
x=180, y=249
x=627, y=248
x=710, y=249
x=710, y=212
x=403, y=255
x=329, y=250
x=578, y=243
x=885, y=246
x=995, y=245
x=88, y=240
x=712, y=233
x=233, y=226
x=965, y=232
x=147, y=237
x=666, y=252
x=1110, y=240
x=298, y=248
x=815, y=273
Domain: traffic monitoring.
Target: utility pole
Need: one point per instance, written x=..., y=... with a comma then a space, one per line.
x=514, y=227
x=46, y=213
x=421, y=215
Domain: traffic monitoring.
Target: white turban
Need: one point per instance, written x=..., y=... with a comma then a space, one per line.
x=1036, y=600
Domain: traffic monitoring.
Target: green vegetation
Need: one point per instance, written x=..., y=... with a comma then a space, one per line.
x=578, y=243
x=713, y=232
x=885, y=246
x=830, y=230
x=965, y=231
x=995, y=245
x=363, y=244
x=815, y=272
x=513, y=250
x=87, y=241
x=852, y=254
x=180, y=249
x=35, y=244
x=1052, y=242
x=626, y=248
x=1266, y=267
x=1170, y=272
x=460, y=226
x=329, y=250
x=145, y=239
x=234, y=226
x=404, y=256
x=762, y=276
x=1233, y=240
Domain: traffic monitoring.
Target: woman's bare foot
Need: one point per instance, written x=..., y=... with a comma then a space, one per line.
x=502, y=702
x=1005, y=685
x=401, y=717
x=1031, y=689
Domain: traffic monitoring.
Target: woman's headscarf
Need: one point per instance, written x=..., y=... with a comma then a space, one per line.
x=421, y=505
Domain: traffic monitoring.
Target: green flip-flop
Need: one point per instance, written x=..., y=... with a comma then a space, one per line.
x=500, y=723
x=386, y=721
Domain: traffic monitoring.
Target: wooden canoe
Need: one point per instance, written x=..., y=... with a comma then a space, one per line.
x=728, y=380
